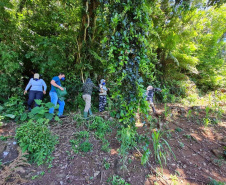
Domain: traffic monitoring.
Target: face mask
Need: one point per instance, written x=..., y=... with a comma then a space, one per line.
x=35, y=79
x=63, y=78
x=103, y=83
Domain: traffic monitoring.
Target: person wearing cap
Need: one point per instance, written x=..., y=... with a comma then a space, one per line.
x=38, y=88
x=56, y=83
x=150, y=94
x=87, y=90
x=102, y=95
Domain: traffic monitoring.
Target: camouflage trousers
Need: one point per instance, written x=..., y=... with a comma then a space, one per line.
x=152, y=105
x=102, y=103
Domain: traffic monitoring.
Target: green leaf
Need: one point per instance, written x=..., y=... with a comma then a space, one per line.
x=48, y=116
x=23, y=117
x=38, y=102
x=10, y=116
x=1, y=108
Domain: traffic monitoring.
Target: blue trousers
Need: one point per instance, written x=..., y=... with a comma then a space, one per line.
x=34, y=95
x=55, y=100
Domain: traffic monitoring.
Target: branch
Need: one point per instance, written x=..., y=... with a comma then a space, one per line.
x=87, y=7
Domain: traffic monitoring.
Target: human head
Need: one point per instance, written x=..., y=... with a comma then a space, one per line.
x=88, y=80
x=149, y=87
x=61, y=76
x=102, y=81
x=36, y=76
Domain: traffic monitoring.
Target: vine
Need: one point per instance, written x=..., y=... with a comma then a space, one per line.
x=125, y=48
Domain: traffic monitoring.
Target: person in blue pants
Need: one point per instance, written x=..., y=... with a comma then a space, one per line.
x=55, y=83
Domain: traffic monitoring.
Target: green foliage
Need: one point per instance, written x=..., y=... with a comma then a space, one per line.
x=214, y=182
x=101, y=128
x=42, y=111
x=37, y=140
x=124, y=49
x=127, y=138
x=13, y=108
x=106, y=164
x=160, y=147
x=116, y=180
x=146, y=153
x=81, y=142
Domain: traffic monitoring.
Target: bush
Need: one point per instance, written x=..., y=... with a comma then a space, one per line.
x=37, y=140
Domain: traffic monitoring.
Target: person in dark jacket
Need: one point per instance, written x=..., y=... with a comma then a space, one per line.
x=87, y=90
x=150, y=94
x=36, y=86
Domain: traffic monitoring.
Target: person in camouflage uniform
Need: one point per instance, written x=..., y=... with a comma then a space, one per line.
x=150, y=93
x=102, y=95
x=87, y=90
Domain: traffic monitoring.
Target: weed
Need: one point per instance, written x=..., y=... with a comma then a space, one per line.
x=174, y=179
x=214, y=182
x=38, y=140
x=167, y=111
x=160, y=151
x=206, y=121
x=189, y=114
x=178, y=129
x=219, y=162
x=181, y=144
x=4, y=138
x=127, y=137
x=34, y=177
x=85, y=146
x=145, y=156
x=116, y=180
x=106, y=164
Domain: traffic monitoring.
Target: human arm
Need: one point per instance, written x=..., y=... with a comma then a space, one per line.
x=45, y=87
x=28, y=86
x=94, y=86
x=157, y=89
x=53, y=83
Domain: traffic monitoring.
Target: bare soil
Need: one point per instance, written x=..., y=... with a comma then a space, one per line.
x=198, y=150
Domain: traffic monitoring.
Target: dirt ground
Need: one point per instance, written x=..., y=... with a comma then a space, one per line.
x=198, y=150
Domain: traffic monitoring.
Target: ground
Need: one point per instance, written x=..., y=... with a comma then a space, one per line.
x=198, y=150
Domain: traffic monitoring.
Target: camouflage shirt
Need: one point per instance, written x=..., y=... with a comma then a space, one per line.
x=87, y=88
x=150, y=94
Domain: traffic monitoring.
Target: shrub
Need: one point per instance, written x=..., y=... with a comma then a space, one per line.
x=37, y=140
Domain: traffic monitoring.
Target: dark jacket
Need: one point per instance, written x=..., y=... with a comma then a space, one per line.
x=88, y=86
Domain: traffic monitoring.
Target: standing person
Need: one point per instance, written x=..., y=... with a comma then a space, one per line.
x=36, y=90
x=87, y=90
x=150, y=93
x=102, y=95
x=55, y=83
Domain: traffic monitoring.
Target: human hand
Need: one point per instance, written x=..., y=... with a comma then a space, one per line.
x=44, y=92
x=61, y=88
x=25, y=92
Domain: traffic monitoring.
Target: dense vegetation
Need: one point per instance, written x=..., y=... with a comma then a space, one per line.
x=178, y=46
x=181, y=43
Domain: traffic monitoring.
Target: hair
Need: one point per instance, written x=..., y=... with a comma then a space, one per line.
x=61, y=74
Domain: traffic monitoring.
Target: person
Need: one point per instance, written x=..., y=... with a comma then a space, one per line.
x=56, y=83
x=102, y=95
x=150, y=93
x=36, y=90
x=87, y=90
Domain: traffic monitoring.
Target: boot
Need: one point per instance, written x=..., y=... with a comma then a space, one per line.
x=85, y=114
x=90, y=112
